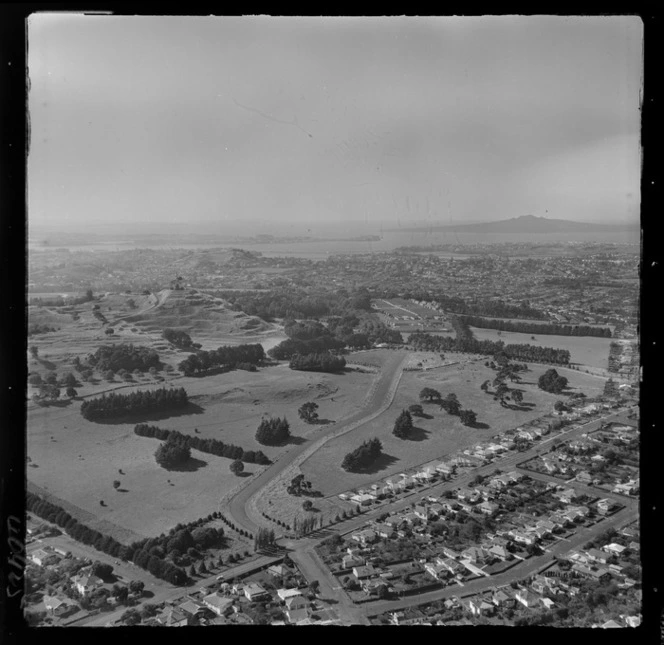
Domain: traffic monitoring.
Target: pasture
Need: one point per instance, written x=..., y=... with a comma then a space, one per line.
x=585, y=350
x=77, y=460
x=441, y=434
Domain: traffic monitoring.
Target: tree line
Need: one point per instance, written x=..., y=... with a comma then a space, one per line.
x=114, y=404
x=422, y=341
x=105, y=543
x=323, y=362
x=210, y=446
x=456, y=305
x=363, y=456
x=227, y=356
x=537, y=328
x=124, y=356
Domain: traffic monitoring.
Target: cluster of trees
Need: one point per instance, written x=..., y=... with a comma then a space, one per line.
x=273, y=431
x=319, y=362
x=538, y=328
x=552, y=382
x=180, y=339
x=114, y=404
x=228, y=356
x=36, y=328
x=292, y=346
x=124, y=356
x=422, y=341
x=403, y=425
x=210, y=446
x=172, y=453
x=264, y=538
x=105, y=543
x=363, y=456
x=278, y=303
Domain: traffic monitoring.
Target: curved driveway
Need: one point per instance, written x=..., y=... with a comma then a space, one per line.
x=379, y=398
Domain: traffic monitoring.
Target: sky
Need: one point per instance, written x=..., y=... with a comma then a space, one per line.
x=264, y=122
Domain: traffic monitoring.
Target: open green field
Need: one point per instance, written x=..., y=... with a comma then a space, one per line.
x=442, y=434
x=83, y=459
x=585, y=350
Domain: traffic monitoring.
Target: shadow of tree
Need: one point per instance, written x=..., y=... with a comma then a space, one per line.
x=191, y=465
x=322, y=422
x=47, y=364
x=122, y=490
x=417, y=434
x=478, y=425
x=384, y=461
x=244, y=473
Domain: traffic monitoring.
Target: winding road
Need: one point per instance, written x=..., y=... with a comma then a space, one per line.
x=377, y=401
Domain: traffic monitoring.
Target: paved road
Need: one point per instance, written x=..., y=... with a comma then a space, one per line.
x=165, y=591
x=313, y=569
x=520, y=571
x=379, y=398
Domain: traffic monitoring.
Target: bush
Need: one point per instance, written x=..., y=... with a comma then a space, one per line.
x=171, y=454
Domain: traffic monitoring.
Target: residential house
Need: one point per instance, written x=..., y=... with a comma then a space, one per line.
x=364, y=572
x=610, y=623
x=219, y=604
x=480, y=607
x=422, y=512
x=474, y=554
x=445, y=469
x=59, y=607
x=522, y=537
x=527, y=598
x=255, y=591
x=584, y=477
x=437, y=571
x=363, y=499
x=44, y=557
x=86, y=584
x=364, y=537
x=547, y=603
x=605, y=506
x=453, y=566
x=172, y=617
x=450, y=553
x=373, y=587
x=384, y=530
x=488, y=507
x=284, y=594
x=500, y=552
x=618, y=549
x=294, y=603
x=598, y=556
x=501, y=599
x=497, y=483
x=632, y=621
x=297, y=616
x=277, y=570
x=567, y=495
x=192, y=607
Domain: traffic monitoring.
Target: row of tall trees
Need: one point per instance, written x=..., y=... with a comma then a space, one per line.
x=320, y=362
x=210, y=446
x=124, y=356
x=114, y=404
x=363, y=456
x=227, y=356
x=422, y=341
x=537, y=328
x=102, y=542
x=264, y=538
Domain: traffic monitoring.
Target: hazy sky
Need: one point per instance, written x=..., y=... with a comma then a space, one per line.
x=170, y=119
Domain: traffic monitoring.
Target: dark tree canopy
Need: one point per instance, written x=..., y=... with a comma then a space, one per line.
x=363, y=456
x=273, y=431
x=324, y=362
x=403, y=425
x=552, y=382
x=172, y=453
x=115, y=404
